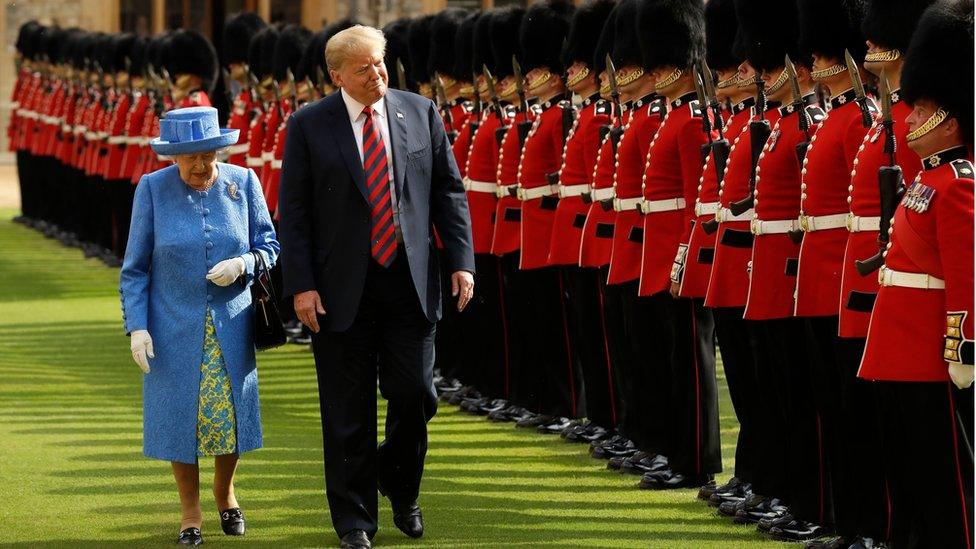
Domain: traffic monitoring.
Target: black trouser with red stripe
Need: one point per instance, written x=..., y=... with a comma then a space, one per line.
x=621, y=359
x=484, y=339
x=738, y=343
x=694, y=391
x=584, y=300
x=929, y=460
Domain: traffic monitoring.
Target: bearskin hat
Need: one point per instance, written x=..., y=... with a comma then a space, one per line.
x=938, y=62
x=768, y=29
x=443, y=34
x=137, y=56
x=890, y=23
x=672, y=32
x=189, y=52
x=238, y=31
x=504, y=34
x=25, y=38
x=101, y=51
x=828, y=27
x=542, y=34
x=464, y=66
x=481, y=53
x=260, y=52
x=313, y=57
x=122, y=50
x=584, y=31
x=604, y=45
x=626, y=45
x=721, y=30
x=288, y=51
x=396, y=33
x=418, y=47
x=50, y=43
x=79, y=49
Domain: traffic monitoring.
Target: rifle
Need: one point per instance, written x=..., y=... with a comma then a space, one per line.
x=890, y=183
x=803, y=122
x=452, y=134
x=525, y=125
x=617, y=131
x=861, y=99
x=496, y=105
x=720, y=147
x=291, y=81
x=706, y=148
x=759, y=131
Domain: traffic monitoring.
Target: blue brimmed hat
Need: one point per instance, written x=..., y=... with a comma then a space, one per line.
x=191, y=130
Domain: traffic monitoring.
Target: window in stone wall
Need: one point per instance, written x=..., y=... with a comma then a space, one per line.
x=135, y=16
x=286, y=11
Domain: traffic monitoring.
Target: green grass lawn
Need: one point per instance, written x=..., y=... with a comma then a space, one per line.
x=72, y=472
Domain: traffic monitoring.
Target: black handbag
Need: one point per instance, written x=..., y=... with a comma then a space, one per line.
x=269, y=332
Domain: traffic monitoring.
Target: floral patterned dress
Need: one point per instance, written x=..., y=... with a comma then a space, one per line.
x=216, y=425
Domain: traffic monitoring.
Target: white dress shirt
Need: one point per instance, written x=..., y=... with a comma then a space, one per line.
x=358, y=119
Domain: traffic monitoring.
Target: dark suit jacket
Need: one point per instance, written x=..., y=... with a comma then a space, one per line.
x=324, y=215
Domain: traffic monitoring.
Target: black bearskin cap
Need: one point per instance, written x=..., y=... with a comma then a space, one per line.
x=542, y=34
x=101, y=51
x=137, y=56
x=604, y=45
x=481, y=54
x=79, y=48
x=396, y=33
x=443, y=34
x=626, y=44
x=122, y=45
x=672, y=32
x=938, y=63
x=312, y=57
x=418, y=47
x=66, y=49
x=238, y=31
x=25, y=37
x=828, y=27
x=721, y=30
x=768, y=30
x=288, y=51
x=464, y=48
x=189, y=52
x=504, y=39
x=890, y=23
x=584, y=31
x=51, y=42
x=260, y=52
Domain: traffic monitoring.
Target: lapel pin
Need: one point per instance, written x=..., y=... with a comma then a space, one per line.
x=232, y=191
x=399, y=114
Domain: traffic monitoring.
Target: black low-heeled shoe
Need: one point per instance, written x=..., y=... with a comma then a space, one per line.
x=190, y=536
x=232, y=521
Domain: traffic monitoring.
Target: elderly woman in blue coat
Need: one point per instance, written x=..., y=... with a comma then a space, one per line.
x=196, y=227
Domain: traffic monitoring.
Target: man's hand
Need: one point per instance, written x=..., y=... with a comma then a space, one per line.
x=462, y=287
x=307, y=308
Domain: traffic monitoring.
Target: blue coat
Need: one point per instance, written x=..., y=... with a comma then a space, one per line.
x=177, y=235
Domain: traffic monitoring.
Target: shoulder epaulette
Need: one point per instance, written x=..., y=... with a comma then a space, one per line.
x=816, y=113
x=603, y=107
x=696, y=110
x=536, y=108
x=565, y=104
x=468, y=107
x=510, y=110
x=656, y=106
x=963, y=168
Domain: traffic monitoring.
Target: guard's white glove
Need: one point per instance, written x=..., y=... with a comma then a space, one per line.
x=961, y=374
x=227, y=271
x=142, y=349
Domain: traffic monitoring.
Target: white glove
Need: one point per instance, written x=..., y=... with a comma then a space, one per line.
x=227, y=271
x=961, y=374
x=142, y=349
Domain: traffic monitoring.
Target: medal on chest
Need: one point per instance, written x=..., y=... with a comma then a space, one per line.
x=918, y=197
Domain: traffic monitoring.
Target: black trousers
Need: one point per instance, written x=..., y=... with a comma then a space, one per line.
x=23, y=176
x=390, y=337
x=584, y=302
x=448, y=357
x=621, y=359
x=738, y=343
x=860, y=499
x=123, y=192
x=929, y=460
x=483, y=334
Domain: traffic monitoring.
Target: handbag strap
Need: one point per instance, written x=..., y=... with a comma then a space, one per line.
x=261, y=268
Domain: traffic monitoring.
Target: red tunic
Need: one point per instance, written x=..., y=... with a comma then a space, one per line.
x=914, y=331
x=508, y=211
x=865, y=202
x=579, y=159
x=628, y=227
x=255, y=144
x=16, y=97
x=774, y=256
x=825, y=176
x=462, y=145
x=272, y=121
x=481, y=171
x=672, y=172
x=274, y=175
x=541, y=157
x=27, y=112
x=53, y=107
x=597, y=240
x=117, y=139
x=66, y=137
x=240, y=119
x=133, y=132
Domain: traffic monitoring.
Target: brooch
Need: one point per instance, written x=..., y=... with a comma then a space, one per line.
x=232, y=192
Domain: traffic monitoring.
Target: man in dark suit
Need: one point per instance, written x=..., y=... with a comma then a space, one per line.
x=368, y=174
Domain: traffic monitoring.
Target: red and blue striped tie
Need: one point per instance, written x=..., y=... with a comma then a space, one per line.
x=382, y=235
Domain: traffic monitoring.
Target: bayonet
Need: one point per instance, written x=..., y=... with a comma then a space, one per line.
x=401, y=76
x=708, y=79
x=445, y=107
x=706, y=148
x=798, y=105
x=493, y=93
x=320, y=78
x=860, y=97
x=719, y=148
x=759, y=131
x=227, y=89
x=291, y=81
x=614, y=90
x=525, y=125
x=476, y=100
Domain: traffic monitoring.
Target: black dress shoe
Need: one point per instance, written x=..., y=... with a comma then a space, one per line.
x=829, y=542
x=409, y=519
x=706, y=492
x=797, y=530
x=867, y=543
x=622, y=448
x=768, y=523
x=647, y=463
x=757, y=507
x=731, y=508
x=555, y=426
x=534, y=420
x=356, y=539
x=190, y=536
x=232, y=521
x=669, y=479
x=592, y=433
x=492, y=405
x=508, y=414
x=739, y=493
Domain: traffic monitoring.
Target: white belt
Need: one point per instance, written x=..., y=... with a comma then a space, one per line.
x=725, y=214
x=921, y=281
x=254, y=162
x=658, y=206
x=117, y=139
x=566, y=191
x=267, y=156
x=79, y=130
x=857, y=224
x=479, y=186
x=598, y=195
x=782, y=226
x=627, y=204
x=27, y=114
x=811, y=223
x=14, y=105
x=237, y=149
x=706, y=208
x=524, y=194
x=49, y=119
x=66, y=128
x=91, y=136
x=502, y=191
x=145, y=140
x=276, y=164
x=134, y=140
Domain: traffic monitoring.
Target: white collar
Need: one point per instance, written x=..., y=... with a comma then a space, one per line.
x=355, y=108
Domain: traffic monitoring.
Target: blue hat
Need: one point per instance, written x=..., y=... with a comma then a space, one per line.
x=191, y=130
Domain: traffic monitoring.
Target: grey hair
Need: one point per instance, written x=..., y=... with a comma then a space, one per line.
x=355, y=40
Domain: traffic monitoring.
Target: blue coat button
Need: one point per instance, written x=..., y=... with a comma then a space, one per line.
x=203, y=193
x=209, y=245
x=206, y=211
x=209, y=298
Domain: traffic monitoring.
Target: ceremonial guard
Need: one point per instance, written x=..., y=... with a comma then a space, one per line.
x=24, y=63
x=260, y=61
x=919, y=341
x=583, y=285
x=418, y=49
x=238, y=32
x=120, y=189
x=670, y=187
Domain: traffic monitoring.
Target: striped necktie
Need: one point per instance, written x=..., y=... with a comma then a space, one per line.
x=382, y=235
